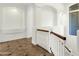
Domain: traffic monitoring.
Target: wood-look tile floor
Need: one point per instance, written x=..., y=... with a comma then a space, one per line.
x=21, y=47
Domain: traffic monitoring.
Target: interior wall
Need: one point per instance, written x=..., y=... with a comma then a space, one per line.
x=45, y=16
x=29, y=21
x=59, y=7
x=1, y=17
x=13, y=19
x=12, y=24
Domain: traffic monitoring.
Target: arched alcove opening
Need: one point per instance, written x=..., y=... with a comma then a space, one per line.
x=45, y=17
x=73, y=27
x=73, y=19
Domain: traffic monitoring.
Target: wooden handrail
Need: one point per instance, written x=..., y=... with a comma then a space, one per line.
x=42, y=30
x=62, y=37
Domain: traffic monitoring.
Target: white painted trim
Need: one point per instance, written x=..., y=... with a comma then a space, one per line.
x=71, y=4
x=11, y=31
x=8, y=37
x=74, y=11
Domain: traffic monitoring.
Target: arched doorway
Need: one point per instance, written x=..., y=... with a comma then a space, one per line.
x=73, y=19
x=46, y=18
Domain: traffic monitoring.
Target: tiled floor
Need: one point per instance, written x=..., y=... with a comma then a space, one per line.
x=21, y=47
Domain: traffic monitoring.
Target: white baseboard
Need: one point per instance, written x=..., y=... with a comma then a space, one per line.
x=9, y=37
x=28, y=36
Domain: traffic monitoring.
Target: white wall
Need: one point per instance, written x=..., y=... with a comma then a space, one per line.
x=13, y=19
x=29, y=21
x=45, y=16
x=1, y=16
x=16, y=21
x=12, y=22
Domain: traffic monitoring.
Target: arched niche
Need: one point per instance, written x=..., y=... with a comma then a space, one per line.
x=45, y=16
x=73, y=19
